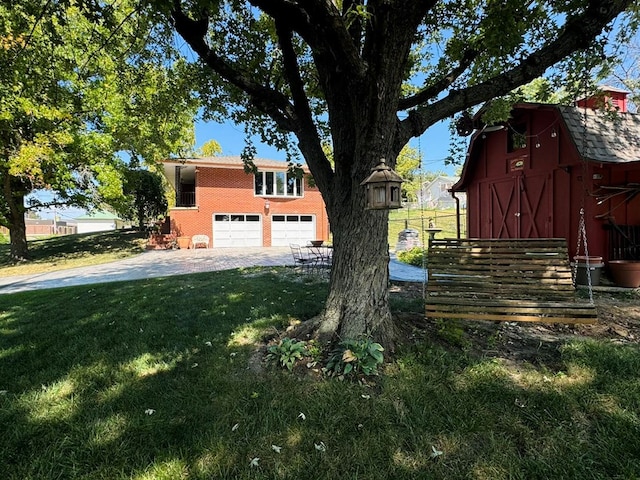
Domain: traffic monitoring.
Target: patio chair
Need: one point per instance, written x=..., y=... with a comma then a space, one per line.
x=302, y=259
x=199, y=240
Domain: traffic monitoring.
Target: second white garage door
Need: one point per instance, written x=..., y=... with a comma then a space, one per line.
x=286, y=229
x=237, y=230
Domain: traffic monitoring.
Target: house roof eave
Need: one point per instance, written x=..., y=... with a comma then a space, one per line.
x=230, y=162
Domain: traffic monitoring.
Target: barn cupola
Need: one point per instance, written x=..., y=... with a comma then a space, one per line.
x=607, y=98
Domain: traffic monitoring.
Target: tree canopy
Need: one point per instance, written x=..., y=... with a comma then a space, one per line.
x=146, y=201
x=367, y=76
x=79, y=92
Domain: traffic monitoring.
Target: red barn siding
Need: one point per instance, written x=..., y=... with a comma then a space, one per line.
x=538, y=191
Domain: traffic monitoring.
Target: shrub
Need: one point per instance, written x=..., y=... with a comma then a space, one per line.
x=417, y=256
x=288, y=351
x=355, y=356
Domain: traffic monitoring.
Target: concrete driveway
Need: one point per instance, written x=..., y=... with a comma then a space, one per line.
x=163, y=263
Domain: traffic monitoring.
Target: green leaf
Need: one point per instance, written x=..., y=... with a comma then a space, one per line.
x=377, y=356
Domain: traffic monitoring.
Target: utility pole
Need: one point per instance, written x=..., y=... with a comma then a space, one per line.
x=55, y=221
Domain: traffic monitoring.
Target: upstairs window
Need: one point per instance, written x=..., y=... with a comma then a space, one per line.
x=445, y=186
x=277, y=184
x=517, y=138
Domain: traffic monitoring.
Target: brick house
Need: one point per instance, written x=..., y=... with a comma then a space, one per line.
x=215, y=197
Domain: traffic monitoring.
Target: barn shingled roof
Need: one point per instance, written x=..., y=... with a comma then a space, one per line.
x=611, y=138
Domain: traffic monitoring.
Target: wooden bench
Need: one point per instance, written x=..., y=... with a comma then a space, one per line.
x=523, y=280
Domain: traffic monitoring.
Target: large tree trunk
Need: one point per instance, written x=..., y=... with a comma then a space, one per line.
x=18, y=235
x=15, y=215
x=357, y=304
x=358, y=301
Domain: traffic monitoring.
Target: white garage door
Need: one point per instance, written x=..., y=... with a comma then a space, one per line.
x=237, y=230
x=286, y=229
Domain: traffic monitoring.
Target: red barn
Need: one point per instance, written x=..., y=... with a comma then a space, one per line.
x=531, y=176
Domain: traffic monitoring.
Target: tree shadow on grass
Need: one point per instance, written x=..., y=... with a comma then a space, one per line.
x=77, y=361
x=149, y=379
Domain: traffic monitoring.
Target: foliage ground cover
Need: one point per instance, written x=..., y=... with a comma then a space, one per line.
x=159, y=379
x=68, y=251
x=416, y=256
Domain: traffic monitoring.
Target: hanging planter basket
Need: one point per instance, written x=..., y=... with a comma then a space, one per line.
x=586, y=268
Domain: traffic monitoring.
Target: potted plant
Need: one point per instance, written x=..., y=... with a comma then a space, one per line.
x=184, y=241
x=580, y=266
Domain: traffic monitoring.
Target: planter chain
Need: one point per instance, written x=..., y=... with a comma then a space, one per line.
x=582, y=237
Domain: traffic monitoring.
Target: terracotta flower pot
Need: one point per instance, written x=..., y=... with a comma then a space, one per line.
x=183, y=242
x=625, y=273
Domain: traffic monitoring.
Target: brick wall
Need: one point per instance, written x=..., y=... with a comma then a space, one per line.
x=220, y=190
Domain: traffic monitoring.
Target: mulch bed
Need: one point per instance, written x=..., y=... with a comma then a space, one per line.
x=537, y=343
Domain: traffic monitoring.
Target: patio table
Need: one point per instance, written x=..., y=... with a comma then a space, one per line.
x=324, y=254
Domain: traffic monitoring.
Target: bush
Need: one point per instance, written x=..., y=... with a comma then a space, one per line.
x=417, y=256
x=287, y=352
x=356, y=356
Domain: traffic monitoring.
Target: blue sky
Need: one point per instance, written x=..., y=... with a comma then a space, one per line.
x=433, y=144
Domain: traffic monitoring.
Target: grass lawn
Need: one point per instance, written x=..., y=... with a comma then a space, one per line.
x=69, y=251
x=157, y=379
x=418, y=219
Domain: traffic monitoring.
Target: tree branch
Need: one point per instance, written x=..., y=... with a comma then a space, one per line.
x=267, y=100
x=312, y=22
x=37, y=205
x=305, y=127
x=578, y=33
x=445, y=82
